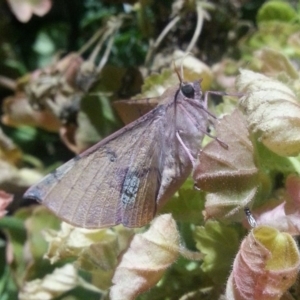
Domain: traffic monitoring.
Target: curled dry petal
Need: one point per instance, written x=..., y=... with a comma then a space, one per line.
x=96, y=250
x=5, y=200
x=12, y=178
x=73, y=241
x=272, y=112
x=147, y=258
x=273, y=62
x=17, y=112
x=265, y=267
x=53, y=285
x=228, y=175
x=283, y=215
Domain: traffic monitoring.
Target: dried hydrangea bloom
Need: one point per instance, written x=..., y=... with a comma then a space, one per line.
x=147, y=258
x=55, y=284
x=272, y=111
x=283, y=212
x=265, y=267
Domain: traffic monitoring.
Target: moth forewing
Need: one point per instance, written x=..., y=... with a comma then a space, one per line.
x=92, y=193
x=125, y=177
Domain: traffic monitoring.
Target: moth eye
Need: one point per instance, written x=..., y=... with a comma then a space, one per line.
x=188, y=91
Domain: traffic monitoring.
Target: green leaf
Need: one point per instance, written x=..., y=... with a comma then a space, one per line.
x=276, y=10
x=186, y=205
x=8, y=289
x=270, y=161
x=39, y=220
x=220, y=244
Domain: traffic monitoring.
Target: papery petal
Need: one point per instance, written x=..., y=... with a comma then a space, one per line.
x=265, y=267
x=18, y=112
x=272, y=112
x=96, y=250
x=5, y=200
x=23, y=9
x=53, y=285
x=40, y=8
x=293, y=189
x=72, y=241
x=66, y=242
x=147, y=258
x=274, y=62
x=282, y=213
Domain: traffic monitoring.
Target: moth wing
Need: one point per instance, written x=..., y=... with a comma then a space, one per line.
x=131, y=110
x=115, y=181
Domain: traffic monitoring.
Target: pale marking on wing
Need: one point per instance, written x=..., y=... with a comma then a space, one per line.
x=142, y=186
x=136, y=149
x=132, y=214
x=91, y=203
x=147, y=183
x=95, y=196
x=130, y=188
x=105, y=205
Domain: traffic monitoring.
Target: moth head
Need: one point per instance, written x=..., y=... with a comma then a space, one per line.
x=191, y=90
x=188, y=90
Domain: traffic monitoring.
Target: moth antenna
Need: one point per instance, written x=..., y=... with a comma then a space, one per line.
x=181, y=65
x=177, y=72
x=181, y=74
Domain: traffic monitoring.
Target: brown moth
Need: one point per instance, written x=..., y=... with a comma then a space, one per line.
x=127, y=176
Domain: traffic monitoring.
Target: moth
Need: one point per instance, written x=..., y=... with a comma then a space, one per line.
x=127, y=176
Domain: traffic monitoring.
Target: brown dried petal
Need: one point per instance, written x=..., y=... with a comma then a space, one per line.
x=17, y=111
x=229, y=175
x=5, y=200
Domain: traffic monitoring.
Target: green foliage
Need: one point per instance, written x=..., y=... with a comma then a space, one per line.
x=276, y=10
x=219, y=244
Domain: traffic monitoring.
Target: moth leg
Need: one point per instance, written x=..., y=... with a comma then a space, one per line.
x=207, y=93
x=186, y=149
x=223, y=144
